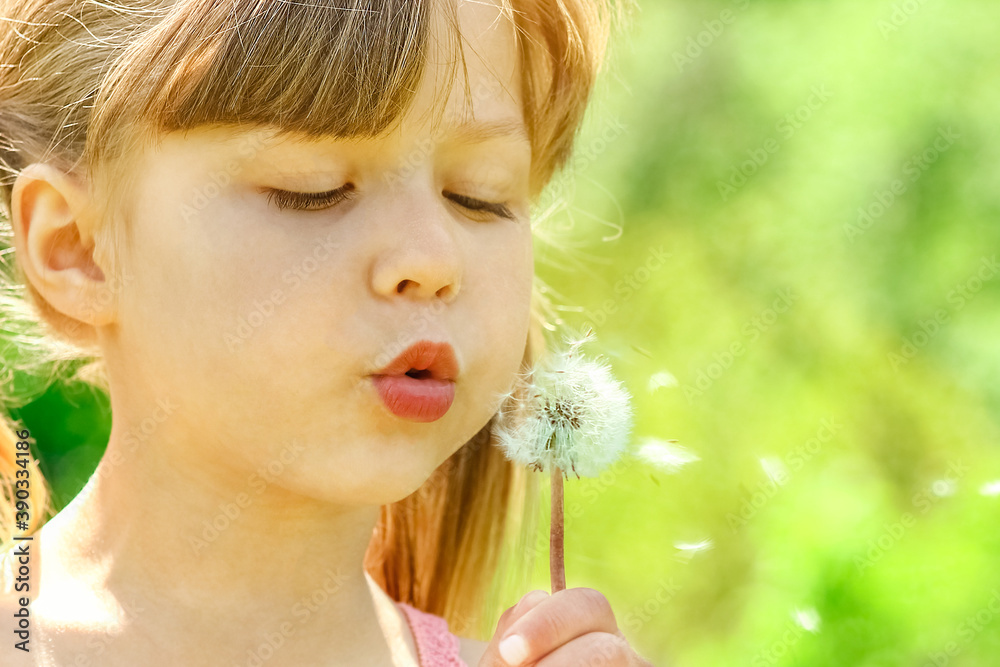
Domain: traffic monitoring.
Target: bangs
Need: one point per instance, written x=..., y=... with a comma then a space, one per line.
x=340, y=68
x=306, y=66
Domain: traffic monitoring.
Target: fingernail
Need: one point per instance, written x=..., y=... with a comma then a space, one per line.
x=514, y=650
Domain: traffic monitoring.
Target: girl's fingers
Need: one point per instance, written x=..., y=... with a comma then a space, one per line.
x=491, y=658
x=554, y=621
x=594, y=649
x=527, y=602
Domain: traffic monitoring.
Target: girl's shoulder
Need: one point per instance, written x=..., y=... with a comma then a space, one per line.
x=436, y=645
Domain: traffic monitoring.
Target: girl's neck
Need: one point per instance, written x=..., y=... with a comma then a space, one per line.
x=179, y=558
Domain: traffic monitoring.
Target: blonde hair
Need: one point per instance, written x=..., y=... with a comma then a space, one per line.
x=85, y=85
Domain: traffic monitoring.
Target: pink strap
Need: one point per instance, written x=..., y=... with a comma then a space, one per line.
x=436, y=646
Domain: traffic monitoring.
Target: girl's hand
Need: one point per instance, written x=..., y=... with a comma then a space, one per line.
x=574, y=627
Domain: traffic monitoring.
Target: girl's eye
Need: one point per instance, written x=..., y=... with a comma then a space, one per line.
x=317, y=201
x=310, y=201
x=498, y=209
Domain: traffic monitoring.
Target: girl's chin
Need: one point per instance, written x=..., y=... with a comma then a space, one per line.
x=377, y=480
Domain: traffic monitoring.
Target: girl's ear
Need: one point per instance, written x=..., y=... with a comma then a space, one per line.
x=53, y=239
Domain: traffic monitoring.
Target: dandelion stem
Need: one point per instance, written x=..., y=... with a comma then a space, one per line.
x=556, y=562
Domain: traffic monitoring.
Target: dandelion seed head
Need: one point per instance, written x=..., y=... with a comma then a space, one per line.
x=569, y=412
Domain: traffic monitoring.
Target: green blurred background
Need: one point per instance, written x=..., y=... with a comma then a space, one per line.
x=783, y=231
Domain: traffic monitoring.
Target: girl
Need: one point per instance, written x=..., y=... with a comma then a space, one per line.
x=294, y=239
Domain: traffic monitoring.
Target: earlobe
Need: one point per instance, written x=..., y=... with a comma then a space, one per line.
x=54, y=240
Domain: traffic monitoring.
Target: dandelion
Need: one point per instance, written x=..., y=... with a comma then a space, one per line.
x=665, y=455
x=807, y=618
x=990, y=488
x=688, y=550
x=567, y=414
x=775, y=469
x=661, y=379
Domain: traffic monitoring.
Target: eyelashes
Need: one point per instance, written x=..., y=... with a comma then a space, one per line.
x=317, y=201
x=497, y=209
x=310, y=201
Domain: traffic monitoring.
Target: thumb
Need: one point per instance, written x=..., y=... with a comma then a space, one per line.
x=492, y=658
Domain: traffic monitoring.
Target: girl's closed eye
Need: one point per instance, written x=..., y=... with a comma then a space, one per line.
x=310, y=201
x=318, y=201
x=499, y=209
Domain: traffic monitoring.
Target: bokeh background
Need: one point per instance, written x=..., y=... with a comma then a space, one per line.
x=782, y=226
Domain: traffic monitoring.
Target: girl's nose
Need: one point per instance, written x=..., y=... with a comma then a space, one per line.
x=421, y=258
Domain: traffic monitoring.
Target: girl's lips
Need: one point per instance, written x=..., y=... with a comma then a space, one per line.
x=420, y=400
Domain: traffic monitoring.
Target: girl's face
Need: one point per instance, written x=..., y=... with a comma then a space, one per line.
x=261, y=326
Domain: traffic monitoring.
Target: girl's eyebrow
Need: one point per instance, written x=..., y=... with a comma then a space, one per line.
x=467, y=132
x=474, y=132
